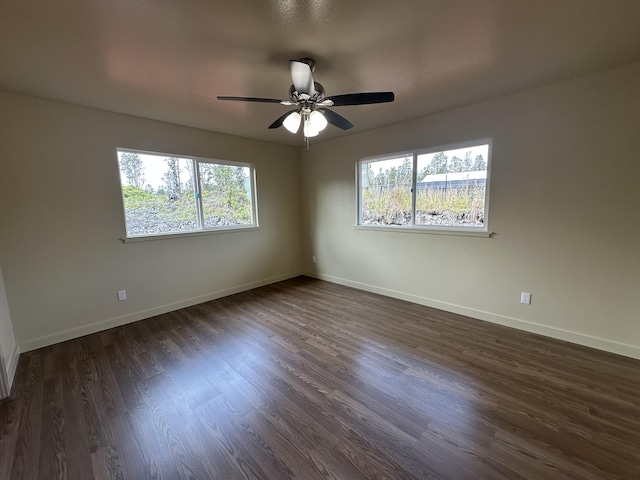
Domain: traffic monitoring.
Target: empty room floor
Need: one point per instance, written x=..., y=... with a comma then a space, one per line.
x=310, y=380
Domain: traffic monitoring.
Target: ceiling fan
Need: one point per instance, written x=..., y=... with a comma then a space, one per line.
x=311, y=104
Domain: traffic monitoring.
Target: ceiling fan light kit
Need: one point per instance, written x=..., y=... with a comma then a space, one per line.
x=311, y=104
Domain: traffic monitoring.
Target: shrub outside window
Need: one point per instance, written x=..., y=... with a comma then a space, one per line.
x=440, y=188
x=168, y=194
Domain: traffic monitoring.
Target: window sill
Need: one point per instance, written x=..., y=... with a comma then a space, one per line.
x=426, y=230
x=166, y=236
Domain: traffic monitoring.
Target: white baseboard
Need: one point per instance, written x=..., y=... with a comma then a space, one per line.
x=557, y=333
x=72, y=333
x=13, y=365
x=4, y=389
x=6, y=377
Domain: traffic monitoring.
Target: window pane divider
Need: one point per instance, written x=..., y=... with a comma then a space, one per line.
x=197, y=192
x=414, y=189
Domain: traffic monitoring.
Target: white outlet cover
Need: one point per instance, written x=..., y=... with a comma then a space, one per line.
x=122, y=295
x=525, y=298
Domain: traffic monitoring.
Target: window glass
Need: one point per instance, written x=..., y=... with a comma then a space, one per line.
x=386, y=191
x=440, y=187
x=451, y=187
x=165, y=194
x=226, y=194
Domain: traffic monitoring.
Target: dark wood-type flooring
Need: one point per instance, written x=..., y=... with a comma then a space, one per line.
x=311, y=380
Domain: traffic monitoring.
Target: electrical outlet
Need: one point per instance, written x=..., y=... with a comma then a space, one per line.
x=122, y=295
x=525, y=298
x=314, y=259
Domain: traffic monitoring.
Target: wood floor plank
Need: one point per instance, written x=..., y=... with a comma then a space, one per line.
x=26, y=457
x=215, y=417
x=132, y=384
x=311, y=380
x=172, y=419
x=10, y=413
x=76, y=442
x=53, y=462
x=106, y=464
x=156, y=462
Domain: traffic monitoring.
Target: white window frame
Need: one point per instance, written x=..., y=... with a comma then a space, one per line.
x=201, y=229
x=482, y=231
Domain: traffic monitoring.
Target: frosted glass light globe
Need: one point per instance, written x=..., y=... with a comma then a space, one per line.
x=292, y=122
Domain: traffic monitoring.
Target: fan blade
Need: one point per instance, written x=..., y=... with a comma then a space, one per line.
x=301, y=76
x=361, y=98
x=281, y=119
x=336, y=120
x=250, y=99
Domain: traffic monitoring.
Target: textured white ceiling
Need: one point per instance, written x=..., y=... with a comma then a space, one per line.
x=169, y=59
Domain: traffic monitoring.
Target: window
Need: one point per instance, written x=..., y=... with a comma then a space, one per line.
x=438, y=188
x=167, y=194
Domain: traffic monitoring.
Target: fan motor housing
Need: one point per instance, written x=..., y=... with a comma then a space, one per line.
x=317, y=96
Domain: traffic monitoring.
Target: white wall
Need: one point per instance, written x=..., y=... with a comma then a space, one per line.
x=61, y=220
x=8, y=348
x=564, y=206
